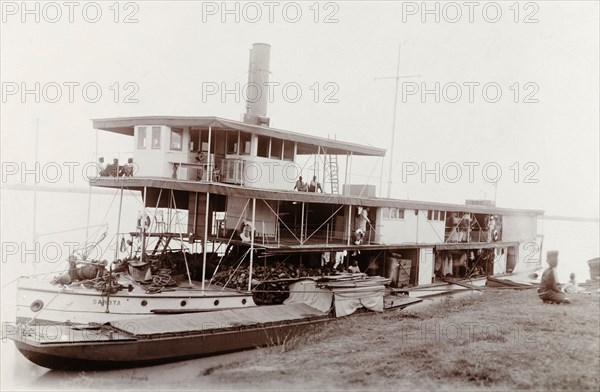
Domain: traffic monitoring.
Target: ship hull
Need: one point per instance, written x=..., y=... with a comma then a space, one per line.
x=79, y=304
x=70, y=349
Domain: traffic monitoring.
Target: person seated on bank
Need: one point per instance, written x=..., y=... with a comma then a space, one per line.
x=549, y=290
x=314, y=185
x=571, y=286
x=301, y=185
x=354, y=268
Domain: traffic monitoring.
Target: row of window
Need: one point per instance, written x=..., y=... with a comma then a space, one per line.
x=398, y=214
x=436, y=215
x=393, y=213
x=236, y=142
x=175, y=143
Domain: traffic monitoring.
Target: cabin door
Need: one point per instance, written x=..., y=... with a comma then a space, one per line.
x=425, y=266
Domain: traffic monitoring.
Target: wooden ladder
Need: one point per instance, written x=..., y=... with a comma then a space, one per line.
x=333, y=174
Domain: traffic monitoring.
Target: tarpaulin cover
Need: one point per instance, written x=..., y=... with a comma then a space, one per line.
x=346, y=301
x=307, y=292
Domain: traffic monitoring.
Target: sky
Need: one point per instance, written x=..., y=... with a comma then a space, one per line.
x=495, y=92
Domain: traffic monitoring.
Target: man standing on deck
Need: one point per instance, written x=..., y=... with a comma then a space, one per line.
x=549, y=292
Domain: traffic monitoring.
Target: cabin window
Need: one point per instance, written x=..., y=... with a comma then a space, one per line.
x=436, y=215
x=393, y=213
x=276, y=147
x=263, y=146
x=156, y=137
x=245, y=143
x=288, y=151
x=141, y=137
x=176, y=138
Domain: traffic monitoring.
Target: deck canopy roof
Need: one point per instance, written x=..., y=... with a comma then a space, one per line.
x=139, y=183
x=307, y=144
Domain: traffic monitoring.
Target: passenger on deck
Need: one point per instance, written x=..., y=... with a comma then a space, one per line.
x=216, y=174
x=113, y=168
x=354, y=268
x=128, y=168
x=314, y=186
x=362, y=218
x=549, y=291
x=102, y=167
x=301, y=185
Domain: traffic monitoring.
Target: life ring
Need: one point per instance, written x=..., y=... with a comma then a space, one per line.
x=496, y=236
x=359, y=234
x=146, y=222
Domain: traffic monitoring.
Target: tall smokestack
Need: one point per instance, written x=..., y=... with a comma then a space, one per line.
x=257, y=92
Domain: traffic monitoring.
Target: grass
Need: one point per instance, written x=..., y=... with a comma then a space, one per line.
x=500, y=340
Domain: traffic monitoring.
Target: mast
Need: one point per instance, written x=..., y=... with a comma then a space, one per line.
x=37, y=132
x=87, y=222
x=397, y=78
x=389, y=190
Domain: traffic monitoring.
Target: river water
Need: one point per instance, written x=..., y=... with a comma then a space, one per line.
x=58, y=213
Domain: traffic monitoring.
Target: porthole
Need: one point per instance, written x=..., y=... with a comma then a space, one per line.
x=244, y=301
x=36, y=305
x=144, y=303
x=183, y=303
x=216, y=302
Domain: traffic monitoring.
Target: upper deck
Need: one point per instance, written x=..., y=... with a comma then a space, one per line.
x=215, y=149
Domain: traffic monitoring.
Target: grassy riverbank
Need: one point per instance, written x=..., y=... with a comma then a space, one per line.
x=500, y=340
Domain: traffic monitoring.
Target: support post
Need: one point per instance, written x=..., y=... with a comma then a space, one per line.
x=118, y=227
x=349, y=225
x=302, y=226
x=252, y=232
x=209, y=169
x=204, y=243
x=143, y=227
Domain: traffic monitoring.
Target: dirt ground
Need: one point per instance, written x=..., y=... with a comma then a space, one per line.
x=499, y=340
